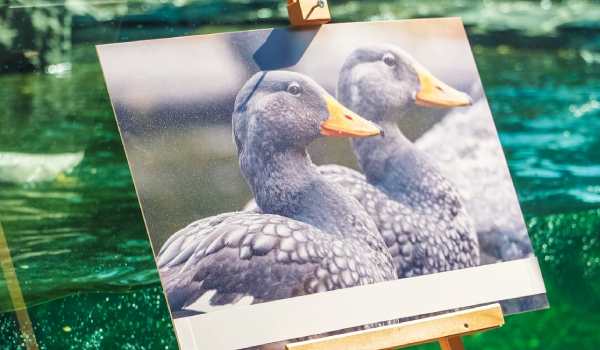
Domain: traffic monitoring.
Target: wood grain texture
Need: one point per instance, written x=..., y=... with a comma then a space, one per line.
x=446, y=328
x=451, y=343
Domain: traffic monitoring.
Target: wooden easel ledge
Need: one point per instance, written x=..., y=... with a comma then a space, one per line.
x=447, y=329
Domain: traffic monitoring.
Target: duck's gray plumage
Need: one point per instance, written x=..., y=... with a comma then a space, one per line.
x=433, y=236
x=466, y=146
x=418, y=211
x=313, y=237
x=264, y=256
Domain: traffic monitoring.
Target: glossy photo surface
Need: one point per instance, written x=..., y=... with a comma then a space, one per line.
x=422, y=187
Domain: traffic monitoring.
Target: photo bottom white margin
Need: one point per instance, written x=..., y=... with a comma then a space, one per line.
x=244, y=326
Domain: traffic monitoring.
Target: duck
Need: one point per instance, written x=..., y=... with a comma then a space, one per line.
x=311, y=236
x=418, y=211
x=466, y=147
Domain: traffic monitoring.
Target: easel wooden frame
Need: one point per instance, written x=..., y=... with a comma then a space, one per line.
x=304, y=13
x=446, y=329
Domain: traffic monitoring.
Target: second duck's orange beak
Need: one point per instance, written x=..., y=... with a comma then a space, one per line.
x=435, y=93
x=342, y=122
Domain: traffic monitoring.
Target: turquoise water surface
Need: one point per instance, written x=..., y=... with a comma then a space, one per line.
x=78, y=241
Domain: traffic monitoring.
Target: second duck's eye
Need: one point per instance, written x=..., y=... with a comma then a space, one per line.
x=389, y=59
x=294, y=89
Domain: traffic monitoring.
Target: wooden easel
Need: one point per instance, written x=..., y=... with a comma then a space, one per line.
x=446, y=329
x=304, y=13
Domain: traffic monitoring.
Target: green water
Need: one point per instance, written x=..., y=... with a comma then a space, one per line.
x=79, y=245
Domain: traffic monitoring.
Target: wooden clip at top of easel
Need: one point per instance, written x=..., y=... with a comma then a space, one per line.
x=446, y=329
x=308, y=12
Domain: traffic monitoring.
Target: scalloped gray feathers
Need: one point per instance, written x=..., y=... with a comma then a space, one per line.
x=432, y=237
x=261, y=256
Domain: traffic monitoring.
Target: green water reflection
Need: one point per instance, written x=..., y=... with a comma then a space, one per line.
x=79, y=245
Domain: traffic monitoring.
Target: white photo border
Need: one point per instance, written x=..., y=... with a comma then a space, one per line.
x=252, y=325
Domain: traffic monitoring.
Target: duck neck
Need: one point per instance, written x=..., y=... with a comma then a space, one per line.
x=286, y=182
x=395, y=165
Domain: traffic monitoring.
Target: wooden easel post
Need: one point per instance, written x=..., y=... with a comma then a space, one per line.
x=15, y=294
x=451, y=343
x=447, y=329
x=308, y=12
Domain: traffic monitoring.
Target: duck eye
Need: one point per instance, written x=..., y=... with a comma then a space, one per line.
x=294, y=89
x=389, y=59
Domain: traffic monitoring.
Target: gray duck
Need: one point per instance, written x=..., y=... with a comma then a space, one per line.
x=418, y=211
x=311, y=235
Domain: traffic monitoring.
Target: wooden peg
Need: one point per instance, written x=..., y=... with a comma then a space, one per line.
x=308, y=12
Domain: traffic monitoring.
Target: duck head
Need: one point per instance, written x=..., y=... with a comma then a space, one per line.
x=380, y=80
x=284, y=109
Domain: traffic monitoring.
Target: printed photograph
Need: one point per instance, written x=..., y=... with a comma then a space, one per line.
x=279, y=163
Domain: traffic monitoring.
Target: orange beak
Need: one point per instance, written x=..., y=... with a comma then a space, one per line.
x=342, y=122
x=435, y=93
